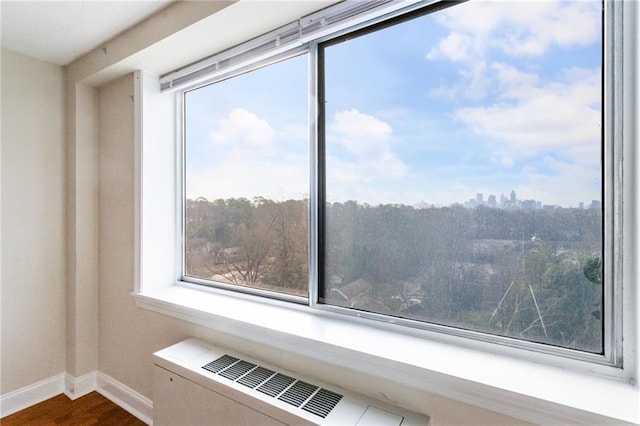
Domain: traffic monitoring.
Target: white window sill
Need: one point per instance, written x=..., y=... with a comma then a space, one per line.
x=516, y=387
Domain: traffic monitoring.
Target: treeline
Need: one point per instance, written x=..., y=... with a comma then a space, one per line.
x=259, y=242
x=400, y=242
x=530, y=274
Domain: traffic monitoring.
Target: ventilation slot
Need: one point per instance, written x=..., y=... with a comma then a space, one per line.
x=220, y=363
x=298, y=393
x=322, y=403
x=237, y=370
x=255, y=377
x=276, y=384
x=318, y=401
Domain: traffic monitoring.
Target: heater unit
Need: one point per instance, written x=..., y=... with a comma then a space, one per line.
x=197, y=383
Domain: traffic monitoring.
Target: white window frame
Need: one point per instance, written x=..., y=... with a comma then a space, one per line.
x=423, y=359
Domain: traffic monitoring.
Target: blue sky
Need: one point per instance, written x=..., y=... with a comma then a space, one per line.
x=434, y=110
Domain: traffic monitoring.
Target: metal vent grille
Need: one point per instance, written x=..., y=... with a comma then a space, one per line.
x=220, y=363
x=275, y=385
x=237, y=370
x=255, y=377
x=322, y=402
x=318, y=401
x=298, y=393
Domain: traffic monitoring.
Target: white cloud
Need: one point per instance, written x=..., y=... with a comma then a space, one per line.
x=475, y=80
x=532, y=118
x=480, y=31
x=247, y=157
x=571, y=183
x=360, y=133
x=243, y=128
x=512, y=82
x=368, y=139
x=515, y=28
x=456, y=47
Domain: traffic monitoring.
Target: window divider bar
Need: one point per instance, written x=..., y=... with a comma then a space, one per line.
x=314, y=173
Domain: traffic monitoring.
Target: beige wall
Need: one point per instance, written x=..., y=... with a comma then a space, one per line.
x=82, y=228
x=129, y=335
x=33, y=221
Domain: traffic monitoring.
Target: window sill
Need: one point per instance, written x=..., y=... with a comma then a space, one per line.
x=520, y=388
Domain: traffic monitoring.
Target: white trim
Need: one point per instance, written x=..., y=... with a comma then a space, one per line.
x=35, y=393
x=127, y=398
x=74, y=388
x=137, y=177
x=155, y=179
x=80, y=386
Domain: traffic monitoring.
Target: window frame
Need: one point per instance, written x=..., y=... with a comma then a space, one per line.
x=583, y=391
x=181, y=202
x=612, y=160
x=611, y=200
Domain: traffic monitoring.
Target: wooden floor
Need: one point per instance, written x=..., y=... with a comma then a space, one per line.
x=91, y=409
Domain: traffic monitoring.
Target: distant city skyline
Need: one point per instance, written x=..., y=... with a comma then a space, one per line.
x=513, y=202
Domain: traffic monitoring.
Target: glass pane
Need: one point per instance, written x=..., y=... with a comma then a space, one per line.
x=246, y=179
x=463, y=171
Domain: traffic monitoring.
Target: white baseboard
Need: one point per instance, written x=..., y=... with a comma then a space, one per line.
x=75, y=387
x=27, y=396
x=127, y=398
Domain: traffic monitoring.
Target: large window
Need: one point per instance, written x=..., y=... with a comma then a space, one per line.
x=463, y=170
x=456, y=176
x=246, y=180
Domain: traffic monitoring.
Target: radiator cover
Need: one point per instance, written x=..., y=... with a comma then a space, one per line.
x=198, y=383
